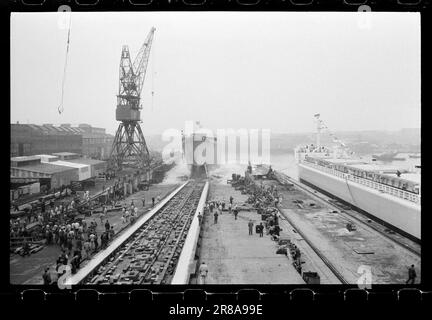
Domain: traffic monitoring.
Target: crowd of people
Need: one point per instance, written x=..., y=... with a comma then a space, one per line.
x=80, y=240
x=41, y=215
x=216, y=208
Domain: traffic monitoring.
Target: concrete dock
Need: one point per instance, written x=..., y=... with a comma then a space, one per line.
x=348, y=251
x=235, y=257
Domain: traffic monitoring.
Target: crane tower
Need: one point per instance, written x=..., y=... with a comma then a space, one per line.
x=129, y=145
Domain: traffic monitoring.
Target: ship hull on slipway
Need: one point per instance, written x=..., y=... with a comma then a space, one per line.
x=400, y=214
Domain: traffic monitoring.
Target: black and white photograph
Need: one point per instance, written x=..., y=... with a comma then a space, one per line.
x=215, y=148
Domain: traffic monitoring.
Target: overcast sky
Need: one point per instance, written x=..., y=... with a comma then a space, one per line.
x=228, y=70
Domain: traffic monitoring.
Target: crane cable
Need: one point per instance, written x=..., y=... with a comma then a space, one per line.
x=153, y=75
x=60, y=107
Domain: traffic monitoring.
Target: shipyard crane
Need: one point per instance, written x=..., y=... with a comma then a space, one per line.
x=129, y=145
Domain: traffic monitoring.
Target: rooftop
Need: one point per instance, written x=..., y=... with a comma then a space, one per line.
x=65, y=154
x=65, y=128
x=86, y=161
x=47, y=168
x=48, y=156
x=71, y=164
x=24, y=158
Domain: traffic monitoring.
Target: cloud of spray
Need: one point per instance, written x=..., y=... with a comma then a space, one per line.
x=179, y=173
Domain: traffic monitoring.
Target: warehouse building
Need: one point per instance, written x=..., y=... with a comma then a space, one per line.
x=97, y=167
x=96, y=143
x=50, y=175
x=52, y=171
x=31, y=139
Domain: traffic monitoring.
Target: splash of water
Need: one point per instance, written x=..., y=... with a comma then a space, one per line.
x=179, y=173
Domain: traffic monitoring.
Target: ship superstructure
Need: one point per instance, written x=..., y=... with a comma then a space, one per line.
x=388, y=193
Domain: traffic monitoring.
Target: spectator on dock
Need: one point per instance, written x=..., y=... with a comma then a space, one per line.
x=107, y=225
x=111, y=233
x=46, y=277
x=235, y=213
x=261, y=230
x=86, y=249
x=203, y=272
x=92, y=238
x=74, y=263
x=104, y=240
x=250, y=225
x=62, y=259
x=411, y=275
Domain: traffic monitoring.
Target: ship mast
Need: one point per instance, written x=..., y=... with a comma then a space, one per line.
x=318, y=134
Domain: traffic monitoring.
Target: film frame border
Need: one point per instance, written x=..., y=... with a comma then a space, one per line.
x=422, y=292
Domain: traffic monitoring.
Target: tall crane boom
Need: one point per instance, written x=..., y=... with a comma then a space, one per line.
x=129, y=145
x=132, y=75
x=141, y=60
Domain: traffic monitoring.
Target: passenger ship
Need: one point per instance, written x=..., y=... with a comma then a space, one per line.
x=389, y=194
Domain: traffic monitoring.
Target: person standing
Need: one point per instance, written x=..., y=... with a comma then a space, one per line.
x=261, y=230
x=215, y=217
x=235, y=213
x=250, y=225
x=203, y=272
x=153, y=201
x=107, y=225
x=111, y=233
x=231, y=200
x=411, y=275
x=199, y=218
x=46, y=277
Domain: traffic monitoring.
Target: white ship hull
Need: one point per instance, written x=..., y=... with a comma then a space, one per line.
x=402, y=214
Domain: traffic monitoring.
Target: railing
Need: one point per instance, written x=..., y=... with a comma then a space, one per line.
x=402, y=194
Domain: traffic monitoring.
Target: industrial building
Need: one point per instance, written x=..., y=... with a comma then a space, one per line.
x=31, y=139
x=52, y=171
x=25, y=170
